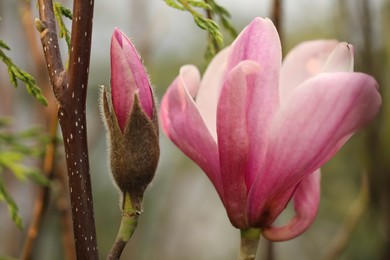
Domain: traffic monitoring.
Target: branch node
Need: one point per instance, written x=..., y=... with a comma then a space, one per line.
x=40, y=25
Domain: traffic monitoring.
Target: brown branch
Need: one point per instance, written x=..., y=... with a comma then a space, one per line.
x=41, y=201
x=270, y=250
x=351, y=221
x=72, y=118
x=49, y=40
x=277, y=16
x=366, y=26
x=65, y=215
x=70, y=91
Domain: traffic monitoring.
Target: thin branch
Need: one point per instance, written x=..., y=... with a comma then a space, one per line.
x=70, y=91
x=351, y=221
x=47, y=27
x=41, y=201
x=270, y=250
x=72, y=118
x=65, y=215
x=366, y=25
x=277, y=16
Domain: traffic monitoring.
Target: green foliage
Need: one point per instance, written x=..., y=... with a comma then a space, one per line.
x=215, y=40
x=7, y=258
x=16, y=73
x=224, y=16
x=59, y=11
x=14, y=150
x=12, y=208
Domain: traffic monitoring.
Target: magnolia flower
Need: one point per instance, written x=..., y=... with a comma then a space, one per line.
x=261, y=130
x=131, y=119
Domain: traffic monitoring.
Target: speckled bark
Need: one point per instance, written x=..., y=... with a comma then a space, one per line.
x=70, y=91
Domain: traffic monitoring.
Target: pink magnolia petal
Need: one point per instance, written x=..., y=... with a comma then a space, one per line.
x=341, y=59
x=306, y=201
x=209, y=90
x=233, y=140
x=140, y=76
x=182, y=123
x=127, y=77
x=303, y=62
x=310, y=127
x=259, y=42
x=191, y=75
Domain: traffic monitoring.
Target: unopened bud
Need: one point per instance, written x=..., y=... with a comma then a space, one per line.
x=130, y=116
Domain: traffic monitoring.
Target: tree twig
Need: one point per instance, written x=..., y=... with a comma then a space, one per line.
x=277, y=16
x=354, y=214
x=65, y=214
x=40, y=203
x=270, y=250
x=72, y=116
x=70, y=91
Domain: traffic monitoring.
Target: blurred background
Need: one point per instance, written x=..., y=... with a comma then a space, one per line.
x=183, y=217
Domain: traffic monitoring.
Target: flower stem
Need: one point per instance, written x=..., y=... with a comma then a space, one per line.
x=128, y=224
x=249, y=242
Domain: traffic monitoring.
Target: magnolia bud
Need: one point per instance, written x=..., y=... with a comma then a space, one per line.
x=130, y=116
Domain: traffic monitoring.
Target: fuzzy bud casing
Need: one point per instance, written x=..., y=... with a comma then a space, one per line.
x=134, y=153
x=130, y=116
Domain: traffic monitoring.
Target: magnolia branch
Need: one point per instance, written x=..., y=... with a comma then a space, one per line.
x=277, y=12
x=70, y=91
x=47, y=27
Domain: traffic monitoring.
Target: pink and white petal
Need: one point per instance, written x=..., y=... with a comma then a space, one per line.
x=209, y=90
x=341, y=59
x=306, y=201
x=263, y=211
x=122, y=80
x=303, y=62
x=233, y=140
x=310, y=127
x=259, y=42
x=182, y=123
x=139, y=79
x=190, y=74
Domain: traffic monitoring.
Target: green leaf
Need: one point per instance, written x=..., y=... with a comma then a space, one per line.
x=11, y=161
x=7, y=258
x=15, y=148
x=174, y=4
x=65, y=11
x=35, y=91
x=199, y=4
x=12, y=78
x=4, y=45
x=5, y=121
x=12, y=207
x=210, y=26
x=215, y=39
x=36, y=176
x=59, y=11
x=14, y=73
x=223, y=16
